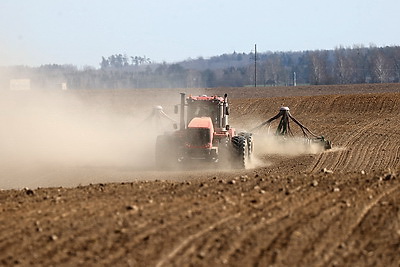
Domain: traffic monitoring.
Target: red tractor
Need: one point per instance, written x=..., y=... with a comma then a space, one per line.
x=204, y=135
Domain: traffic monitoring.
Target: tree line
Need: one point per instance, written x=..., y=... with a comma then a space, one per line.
x=342, y=65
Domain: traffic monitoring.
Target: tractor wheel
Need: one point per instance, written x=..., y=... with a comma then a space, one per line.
x=165, y=156
x=239, y=152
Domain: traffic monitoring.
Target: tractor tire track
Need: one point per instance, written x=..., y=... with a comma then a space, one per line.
x=380, y=243
x=284, y=238
x=184, y=243
x=203, y=243
x=328, y=249
x=262, y=223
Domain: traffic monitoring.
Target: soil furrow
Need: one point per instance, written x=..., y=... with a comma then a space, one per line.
x=346, y=155
x=384, y=230
x=252, y=235
x=194, y=236
x=353, y=223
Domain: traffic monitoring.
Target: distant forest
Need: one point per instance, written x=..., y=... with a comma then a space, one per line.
x=343, y=65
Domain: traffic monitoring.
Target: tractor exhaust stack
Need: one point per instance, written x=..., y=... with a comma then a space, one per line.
x=225, y=113
x=182, y=125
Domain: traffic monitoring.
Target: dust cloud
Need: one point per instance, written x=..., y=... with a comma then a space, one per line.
x=266, y=143
x=269, y=144
x=278, y=145
x=58, y=139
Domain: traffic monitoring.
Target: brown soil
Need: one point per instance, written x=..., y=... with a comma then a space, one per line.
x=287, y=212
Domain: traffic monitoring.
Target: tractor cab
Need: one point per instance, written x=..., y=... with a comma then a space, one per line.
x=214, y=107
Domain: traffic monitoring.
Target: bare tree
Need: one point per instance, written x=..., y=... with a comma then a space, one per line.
x=380, y=65
x=319, y=67
x=344, y=66
x=274, y=70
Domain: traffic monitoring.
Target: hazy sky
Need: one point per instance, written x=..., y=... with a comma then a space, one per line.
x=80, y=32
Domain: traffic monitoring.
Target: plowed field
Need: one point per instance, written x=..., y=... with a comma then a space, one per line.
x=336, y=208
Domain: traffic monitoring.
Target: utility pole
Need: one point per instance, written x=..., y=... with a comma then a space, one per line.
x=255, y=65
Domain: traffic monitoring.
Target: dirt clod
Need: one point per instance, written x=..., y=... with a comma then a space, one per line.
x=132, y=207
x=326, y=171
x=29, y=192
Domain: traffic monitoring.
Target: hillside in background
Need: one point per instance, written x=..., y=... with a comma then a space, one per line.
x=351, y=65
